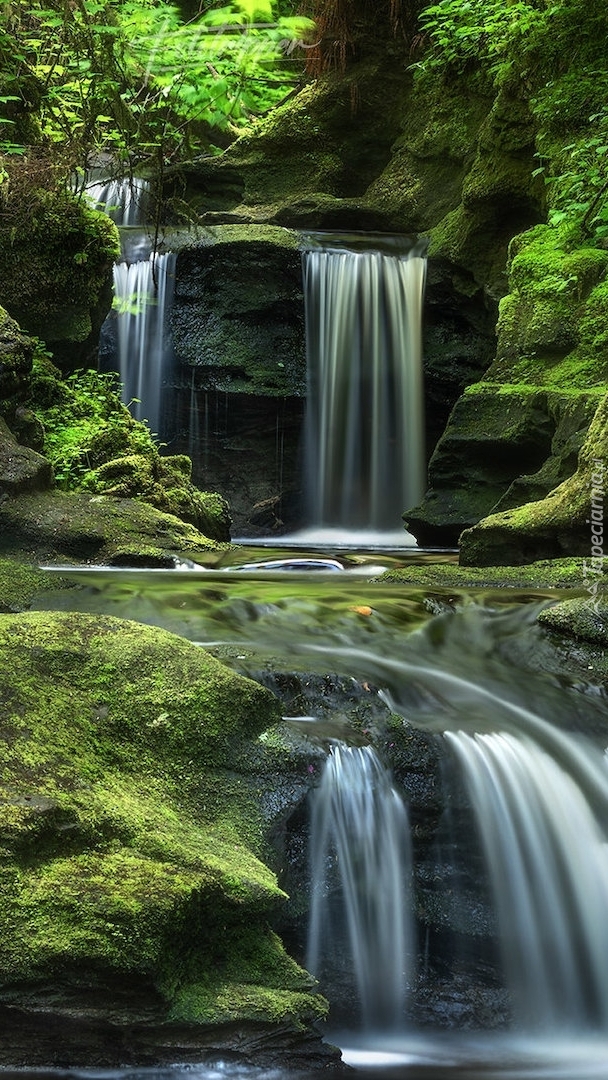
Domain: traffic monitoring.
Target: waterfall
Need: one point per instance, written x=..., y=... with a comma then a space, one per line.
x=539, y=801
x=122, y=200
x=360, y=821
x=548, y=862
x=364, y=427
x=135, y=338
x=142, y=295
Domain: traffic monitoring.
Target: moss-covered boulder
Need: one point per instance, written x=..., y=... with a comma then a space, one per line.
x=165, y=484
x=56, y=257
x=57, y=526
x=127, y=842
x=569, y=521
x=16, y=354
x=96, y=445
x=21, y=469
x=583, y=618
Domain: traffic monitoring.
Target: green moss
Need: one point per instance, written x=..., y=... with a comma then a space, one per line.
x=16, y=353
x=583, y=618
x=554, y=526
x=123, y=851
x=70, y=526
x=551, y=326
x=20, y=583
x=56, y=257
x=94, y=444
x=545, y=574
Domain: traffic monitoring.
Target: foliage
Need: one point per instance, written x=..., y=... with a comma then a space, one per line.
x=463, y=32
x=554, y=52
x=84, y=422
x=130, y=78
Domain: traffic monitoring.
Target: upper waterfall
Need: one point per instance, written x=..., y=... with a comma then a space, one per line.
x=364, y=436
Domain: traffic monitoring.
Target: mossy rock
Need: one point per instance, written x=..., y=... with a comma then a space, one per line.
x=56, y=257
x=165, y=484
x=238, y=314
x=492, y=436
x=120, y=858
x=537, y=576
x=552, y=325
x=62, y=526
x=16, y=353
x=21, y=583
x=569, y=521
x=583, y=618
x=96, y=445
x=21, y=469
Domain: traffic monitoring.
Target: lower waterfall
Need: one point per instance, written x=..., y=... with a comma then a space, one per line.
x=547, y=857
x=360, y=820
x=457, y=839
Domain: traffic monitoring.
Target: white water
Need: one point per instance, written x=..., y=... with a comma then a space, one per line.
x=364, y=439
x=539, y=798
x=122, y=200
x=359, y=820
x=137, y=331
x=548, y=862
x=142, y=296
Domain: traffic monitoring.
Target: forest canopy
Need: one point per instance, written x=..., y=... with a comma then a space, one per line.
x=136, y=79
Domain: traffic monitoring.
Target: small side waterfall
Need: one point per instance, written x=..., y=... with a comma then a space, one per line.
x=135, y=339
x=548, y=863
x=122, y=200
x=142, y=297
x=364, y=428
x=360, y=821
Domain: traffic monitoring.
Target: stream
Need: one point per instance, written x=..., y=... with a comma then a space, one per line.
x=471, y=671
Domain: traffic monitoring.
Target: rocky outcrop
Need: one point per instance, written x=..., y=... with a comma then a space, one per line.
x=514, y=437
x=21, y=469
x=56, y=257
x=239, y=378
x=135, y=908
x=569, y=521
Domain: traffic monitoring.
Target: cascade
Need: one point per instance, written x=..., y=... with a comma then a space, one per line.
x=143, y=291
x=135, y=338
x=122, y=200
x=548, y=862
x=525, y=780
x=539, y=799
x=364, y=439
x=360, y=820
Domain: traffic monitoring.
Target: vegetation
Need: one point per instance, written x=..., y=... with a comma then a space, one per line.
x=95, y=445
x=555, y=53
x=133, y=79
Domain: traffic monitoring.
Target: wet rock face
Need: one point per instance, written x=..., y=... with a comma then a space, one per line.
x=238, y=315
x=239, y=380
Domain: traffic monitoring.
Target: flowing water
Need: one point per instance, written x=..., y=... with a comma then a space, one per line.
x=364, y=436
x=135, y=339
x=143, y=291
x=360, y=819
x=527, y=783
